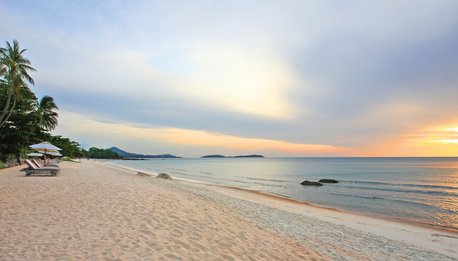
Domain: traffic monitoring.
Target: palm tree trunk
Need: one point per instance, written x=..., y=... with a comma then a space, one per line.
x=11, y=111
x=18, y=158
x=6, y=113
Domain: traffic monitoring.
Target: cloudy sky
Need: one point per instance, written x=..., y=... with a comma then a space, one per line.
x=279, y=78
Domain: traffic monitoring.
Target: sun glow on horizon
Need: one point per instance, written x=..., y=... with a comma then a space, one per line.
x=447, y=135
x=439, y=141
x=435, y=141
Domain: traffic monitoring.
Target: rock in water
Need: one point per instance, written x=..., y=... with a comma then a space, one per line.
x=328, y=181
x=311, y=183
x=142, y=174
x=163, y=176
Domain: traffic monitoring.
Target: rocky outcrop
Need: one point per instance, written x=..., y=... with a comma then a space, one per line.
x=328, y=181
x=143, y=174
x=163, y=176
x=311, y=183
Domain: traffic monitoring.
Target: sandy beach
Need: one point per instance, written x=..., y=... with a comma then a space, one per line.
x=95, y=211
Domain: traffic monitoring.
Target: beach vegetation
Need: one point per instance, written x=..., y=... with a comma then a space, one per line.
x=45, y=113
x=25, y=119
x=130, y=155
x=68, y=147
x=70, y=159
x=14, y=72
x=102, y=154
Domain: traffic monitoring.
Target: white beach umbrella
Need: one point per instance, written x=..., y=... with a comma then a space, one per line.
x=34, y=154
x=45, y=147
x=55, y=154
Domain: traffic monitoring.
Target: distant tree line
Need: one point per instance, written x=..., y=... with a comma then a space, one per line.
x=102, y=154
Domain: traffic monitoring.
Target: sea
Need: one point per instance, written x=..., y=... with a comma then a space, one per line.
x=418, y=190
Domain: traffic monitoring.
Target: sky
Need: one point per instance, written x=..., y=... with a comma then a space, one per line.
x=278, y=78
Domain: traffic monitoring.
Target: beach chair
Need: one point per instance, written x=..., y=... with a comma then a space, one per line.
x=54, y=161
x=41, y=165
x=34, y=169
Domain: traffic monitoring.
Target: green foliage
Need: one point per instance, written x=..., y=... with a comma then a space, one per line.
x=25, y=120
x=19, y=131
x=45, y=114
x=102, y=154
x=8, y=160
x=69, y=148
x=69, y=159
x=14, y=76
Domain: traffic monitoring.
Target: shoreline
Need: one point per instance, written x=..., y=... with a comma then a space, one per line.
x=408, y=222
x=417, y=234
x=98, y=210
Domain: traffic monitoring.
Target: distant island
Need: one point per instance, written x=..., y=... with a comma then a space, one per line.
x=213, y=156
x=128, y=155
x=248, y=156
x=239, y=156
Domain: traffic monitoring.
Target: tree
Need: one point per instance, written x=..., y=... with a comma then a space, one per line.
x=24, y=119
x=102, y=154
x=14, y=76
x=68, y=147
x=20, y=130
x=46, y=116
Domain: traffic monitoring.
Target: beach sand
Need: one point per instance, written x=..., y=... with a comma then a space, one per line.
x=94, y=211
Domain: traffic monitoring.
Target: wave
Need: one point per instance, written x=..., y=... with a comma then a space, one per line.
x=274, y=180
x=423, y=205
x=268, y=185
x=176, y=169
x=210, y=173
x=214, y=178
x=182, y=174
x=418, y=191
x=399, y=184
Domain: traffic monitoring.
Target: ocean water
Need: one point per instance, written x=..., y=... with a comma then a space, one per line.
x=423, y=190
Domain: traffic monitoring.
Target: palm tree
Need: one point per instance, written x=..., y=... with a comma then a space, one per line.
x=47, y=117
x=14, y=76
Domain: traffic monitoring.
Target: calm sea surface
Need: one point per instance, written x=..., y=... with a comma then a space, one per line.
x=419, y=189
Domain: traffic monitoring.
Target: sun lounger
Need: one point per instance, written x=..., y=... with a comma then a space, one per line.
x=43, y=166
x=40, y=165
x=33, y=169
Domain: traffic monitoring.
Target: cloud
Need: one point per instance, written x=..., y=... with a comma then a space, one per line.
x=195, y=143
x=244, y=80
x=347, y=74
